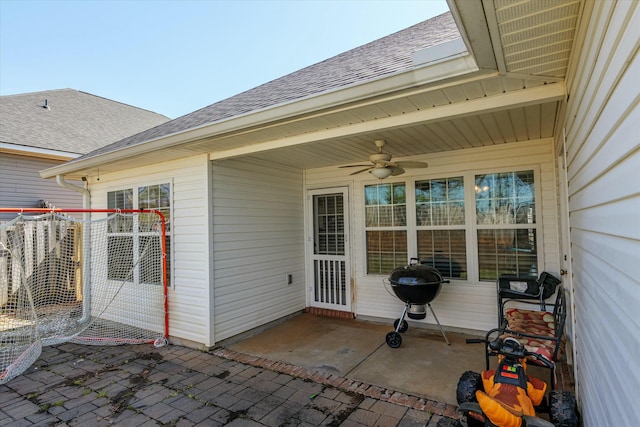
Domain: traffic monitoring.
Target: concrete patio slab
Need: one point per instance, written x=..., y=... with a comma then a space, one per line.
x=332, y=345
x=424, y=365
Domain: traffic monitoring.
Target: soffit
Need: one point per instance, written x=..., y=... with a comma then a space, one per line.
x=494, y=128
x=504, y=124
x=528, y=37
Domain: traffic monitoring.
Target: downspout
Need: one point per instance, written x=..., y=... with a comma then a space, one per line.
x=86, y=196
x=86, y=245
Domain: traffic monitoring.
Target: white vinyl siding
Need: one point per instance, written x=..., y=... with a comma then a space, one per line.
x=22, y=187
x=189, y=294
x=603, y=158
x=258, y=239
x=469, y=303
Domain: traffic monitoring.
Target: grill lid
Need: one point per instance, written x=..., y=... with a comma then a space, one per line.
x=415, y=275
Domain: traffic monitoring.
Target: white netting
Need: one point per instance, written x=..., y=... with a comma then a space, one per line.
x=96, y=282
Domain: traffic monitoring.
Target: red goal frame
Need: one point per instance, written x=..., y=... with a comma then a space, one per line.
x=90, y=211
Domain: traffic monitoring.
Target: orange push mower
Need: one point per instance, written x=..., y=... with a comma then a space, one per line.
x=507, y=396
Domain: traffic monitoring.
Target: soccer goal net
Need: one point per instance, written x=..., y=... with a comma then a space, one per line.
x=99, y=280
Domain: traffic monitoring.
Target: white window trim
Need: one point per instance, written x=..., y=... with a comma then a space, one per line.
x=405, y=228
x=470, y=227
x=169, y=233
x=472, y=231
x=414, y=236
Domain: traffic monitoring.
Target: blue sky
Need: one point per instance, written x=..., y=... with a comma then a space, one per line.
x=174, y=57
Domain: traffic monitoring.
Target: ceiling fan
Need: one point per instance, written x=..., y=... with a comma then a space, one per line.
x=381, y=165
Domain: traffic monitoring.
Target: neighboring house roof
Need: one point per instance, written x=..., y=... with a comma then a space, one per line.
x=70, y=121
x=386, y=56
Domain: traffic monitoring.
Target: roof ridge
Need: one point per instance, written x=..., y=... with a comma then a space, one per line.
x=78, y=91
x=123, y=103
x=37, y=92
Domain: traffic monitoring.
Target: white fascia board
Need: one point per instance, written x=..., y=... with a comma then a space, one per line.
x=422, y=76
x=26, y=150
x=469, y=17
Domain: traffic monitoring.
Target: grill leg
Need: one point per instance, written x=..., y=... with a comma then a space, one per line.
x=438, y=322
x=404, y=313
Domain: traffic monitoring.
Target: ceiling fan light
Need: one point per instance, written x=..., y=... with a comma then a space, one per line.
x=380, y=173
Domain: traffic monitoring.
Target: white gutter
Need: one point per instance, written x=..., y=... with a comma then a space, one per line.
x=86, y=245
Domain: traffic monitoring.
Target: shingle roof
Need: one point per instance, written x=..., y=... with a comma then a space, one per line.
x=380, y=58
x=75, y=122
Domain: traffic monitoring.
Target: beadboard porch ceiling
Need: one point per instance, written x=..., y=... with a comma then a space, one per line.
x=491, y=111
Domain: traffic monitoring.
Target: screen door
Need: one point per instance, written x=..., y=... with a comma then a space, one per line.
x=330, y=284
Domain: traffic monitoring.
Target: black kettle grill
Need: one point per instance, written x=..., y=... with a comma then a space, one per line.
x=417, y=285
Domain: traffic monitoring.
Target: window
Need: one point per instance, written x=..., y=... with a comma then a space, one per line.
x=329, y=224
x=120, y=199
x=127, y=238
x=474, y=226
x=505, y=219
x=386, y=227
x=440, y=224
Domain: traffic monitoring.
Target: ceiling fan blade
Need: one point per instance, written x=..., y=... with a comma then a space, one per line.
x=381, y=160
x=361, y=170
x=411, y=165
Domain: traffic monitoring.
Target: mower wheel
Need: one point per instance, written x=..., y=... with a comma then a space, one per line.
x=394, y=339
x=468, y=384
x=563, y=410
x=403, y=326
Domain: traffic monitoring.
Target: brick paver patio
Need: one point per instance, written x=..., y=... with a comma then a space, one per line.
x=141, y=385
